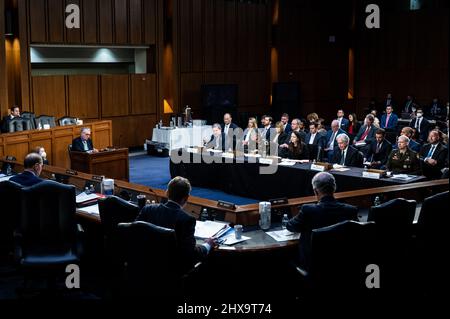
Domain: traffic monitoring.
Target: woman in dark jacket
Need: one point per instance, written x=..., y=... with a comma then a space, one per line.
x=353, y=127
x=297, y=150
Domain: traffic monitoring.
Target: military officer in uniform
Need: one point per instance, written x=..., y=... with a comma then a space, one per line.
x=403, y=160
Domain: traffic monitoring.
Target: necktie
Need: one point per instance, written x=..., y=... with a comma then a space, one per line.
x=387, y=120
x=85, y=146
x=343, y=158
x=430, y=153
x=330, y=144
x=366, y=132
x=226, y=129
x=378, y=147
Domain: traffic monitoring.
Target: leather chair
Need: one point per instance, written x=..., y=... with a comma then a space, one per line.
x=30, y=116
x=340, y=254
x=47, y=238
x=67, y=120
x=10, y=214
x=19, y=124
x=45, y=119
x=148, y=254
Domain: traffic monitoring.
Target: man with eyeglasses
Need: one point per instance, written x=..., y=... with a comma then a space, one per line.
x=83, y=143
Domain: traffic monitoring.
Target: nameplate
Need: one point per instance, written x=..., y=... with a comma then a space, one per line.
x=266, y=161
x=278, y=201
x=227, y=205
x=317, y=168
x=71, y=172
x=372, y=175
x=192, y=150
x=46, y=126
x=228, y=155
x=97, y=178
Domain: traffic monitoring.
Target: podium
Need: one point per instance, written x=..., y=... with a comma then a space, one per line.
x=112, y=163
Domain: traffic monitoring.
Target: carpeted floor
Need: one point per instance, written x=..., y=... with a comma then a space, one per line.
x=154, y=172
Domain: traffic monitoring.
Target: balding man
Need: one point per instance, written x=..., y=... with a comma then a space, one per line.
x=433, y=155
x=346, y=154
x=32, y=169
x=83, y=143
x=328, y=211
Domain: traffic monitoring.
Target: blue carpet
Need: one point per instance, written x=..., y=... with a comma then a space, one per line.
x=154, y=172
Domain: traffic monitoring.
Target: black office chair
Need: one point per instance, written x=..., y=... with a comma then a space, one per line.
x=67, y=120
x=10, y=214
x=42, y=120
x=149, y=257
x=47, y=239
x=340, y=254
x=19, y=124
x=31, y=117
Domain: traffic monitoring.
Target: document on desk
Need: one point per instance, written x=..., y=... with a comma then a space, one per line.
x=403, y=177
x=209, y=228
x=230, y=238
x=287, y=163
x=283, y=235
x=4, y=177
x=83, y=197
x=92, y=210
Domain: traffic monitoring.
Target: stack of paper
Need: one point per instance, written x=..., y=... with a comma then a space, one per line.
x=230, y=238
x=3, y=177
x=403, y=177
x=209, y=229
x=93, y=210
x=283, y=235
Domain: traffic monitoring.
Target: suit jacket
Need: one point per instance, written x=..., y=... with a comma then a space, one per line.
x=440, y=155
x=440, y=112
x=328, y=137
x=288, y=129
x=315, y=149
x=26, y=179
x=392, y=124
x=382, y=155
x=352, y=158
x=222, y=142
x=233, y=135
x=77, y=145
x=413, y=145
x=423, y=128
x=344, y=124
x=171, y=215
x=5, y=123
x=326, y=212
x=370, y=135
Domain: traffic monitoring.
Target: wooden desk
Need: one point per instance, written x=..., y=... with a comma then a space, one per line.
x=54, y=140
x=111, y=163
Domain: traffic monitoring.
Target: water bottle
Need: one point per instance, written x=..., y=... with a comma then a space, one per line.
x=377, y=201
x=86, y=190
x=284, y=221
x=8, y=170
x=92, y=189
x=264, y=213
x=204, y=215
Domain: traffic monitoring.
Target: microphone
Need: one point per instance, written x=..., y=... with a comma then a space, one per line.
x=319, y=149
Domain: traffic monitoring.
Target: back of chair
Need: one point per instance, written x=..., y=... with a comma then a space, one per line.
x=66, y=120
x=433, y=219
x=394, y=216
x=340, y=254
x=10, y=212
x=45, y=120
x=113, y=211
x=30, y=116
x=48, y=215
x=149, y=255
x=19, y=124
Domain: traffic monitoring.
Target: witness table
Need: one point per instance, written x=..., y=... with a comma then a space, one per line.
x=240, y=177
x=181, y=137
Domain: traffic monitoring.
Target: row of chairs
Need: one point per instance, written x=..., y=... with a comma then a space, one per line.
x=28, y=121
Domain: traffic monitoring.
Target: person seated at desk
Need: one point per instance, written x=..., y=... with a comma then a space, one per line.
x=328, y=211
x=217, y=140
x=171, y=215
x=403, y=160
x=389, y=120
x=366, y=134
x=14, y=113
x=346, y=154
x=32, y=169
x=83, y=143
x=379, y=151
x=41, y=151
x=315, y=142
x=296, y=149
x=409, y=132
x=331, y=141
x=250, y=136
x=433, y=156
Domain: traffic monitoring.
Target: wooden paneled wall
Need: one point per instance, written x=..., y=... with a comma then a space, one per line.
x=219, y=41
x=130, y=101
x=407, y=55
x=306, y=54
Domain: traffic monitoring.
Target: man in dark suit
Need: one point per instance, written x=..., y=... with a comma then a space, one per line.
x=32, y=169
x=436, y=111
x=433, y=156
x=343, y=122
x=14, y=112
x=389, y=101
x=230, y=130
x=366, y=134
x=331, y=142
x=217, y=140
x=326, y=212
x=346, y=154
x=421, y=125
x=83, y=143
x=379, y=151
x=389, y=120
x=409, y=106
x=286, y=125
x=171, y=215
x=315, y=142
x=412, y=145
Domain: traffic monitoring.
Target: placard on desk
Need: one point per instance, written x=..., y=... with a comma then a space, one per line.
x=321, y=167
x=374, y=173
